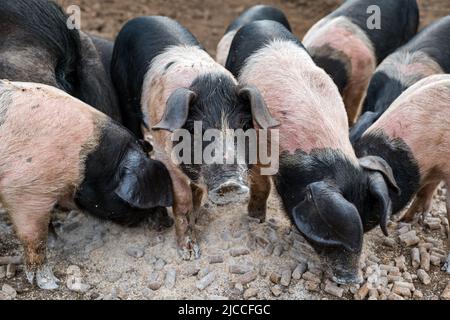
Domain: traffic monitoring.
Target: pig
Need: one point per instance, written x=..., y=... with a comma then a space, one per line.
x=413, y=137
x=168, y=83
x=255, y=13
x=428, y=53
x=349, y=46
x=37, y=46
x=323, y=186
x=57, y=150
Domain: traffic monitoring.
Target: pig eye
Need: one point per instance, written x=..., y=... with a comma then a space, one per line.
x=308, y=196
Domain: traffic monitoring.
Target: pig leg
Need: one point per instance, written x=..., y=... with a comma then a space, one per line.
x=422, y=203
x=259, y=193
x=31, y=223
x=182, y=210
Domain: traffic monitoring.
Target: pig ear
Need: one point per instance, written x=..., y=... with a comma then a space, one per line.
x=327, y=218
x=144, y=183
x=379, y=189
x=177, y=110
x=259, y=109
x=377, y=164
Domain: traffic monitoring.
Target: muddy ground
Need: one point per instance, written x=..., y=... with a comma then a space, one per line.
x=142, y=263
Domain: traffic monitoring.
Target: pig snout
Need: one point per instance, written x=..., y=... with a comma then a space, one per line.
x=226, y=185
x=343, y=266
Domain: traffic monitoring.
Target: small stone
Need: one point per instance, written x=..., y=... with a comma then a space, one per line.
x=2, y=272
x=171, y=277
x=436, y=260
x=407, y=276
x=299, y=271
x=373, y=294
x=401, y=290
x=423, y=277
x=239, y=268
x=312, y=286
x=268, y=250
x=275, y=277
x=247, y=277
x=278, y=250
x=309, y=276
x=204, y=282
x=276, y=290
x=239, y=287
x=415, y=258
x=334, y=290
x=404, y=230
x=11, y=271
x=9, y=291
x=236, y=252
x=191, y=270
x=250, y=293
x=74, y=281
x=135, y=252
x=203, y=272
x=362, y=292
x=215, y=259
x=262, y=241
x=446, y=293
x=417, y=294
x=389, y=242
x=409, y=238
x=400, y=263
x=159, y=264
x=286, y=278
x=394, y=296
x=425, y=261
x=155, y=280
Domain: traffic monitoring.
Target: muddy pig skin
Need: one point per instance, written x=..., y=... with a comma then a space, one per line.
x=57, y=150
x=348, y=45
x=426, y=54
x=167, y=82
x=413, y=136
x=37, y=46
x=255, y=13
x=321, y=182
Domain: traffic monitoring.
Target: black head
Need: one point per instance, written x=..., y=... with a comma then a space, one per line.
x=216, y=102
x=121, y=183
x=333, y=201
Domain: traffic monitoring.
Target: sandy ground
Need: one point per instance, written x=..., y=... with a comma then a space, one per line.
x=120, y=263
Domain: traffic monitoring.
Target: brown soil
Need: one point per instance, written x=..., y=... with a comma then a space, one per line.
x=100, y=249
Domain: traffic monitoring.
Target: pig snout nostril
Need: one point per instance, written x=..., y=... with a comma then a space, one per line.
x=228, y=192
x=228, y=188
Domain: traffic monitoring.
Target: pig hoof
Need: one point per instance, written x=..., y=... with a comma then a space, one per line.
x=257, y=214
x=356, y=279
x=45, y=279
x=190, y=251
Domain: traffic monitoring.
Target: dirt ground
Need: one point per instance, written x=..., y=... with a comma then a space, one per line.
x=141, y=263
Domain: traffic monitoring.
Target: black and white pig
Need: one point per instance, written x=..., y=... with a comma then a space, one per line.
x=325, y=190
x=57, y=150
x=349, y=44
x=413, y=137
x=426, y=54
x=37, y=46
x=255, y=13
x=166, y=82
